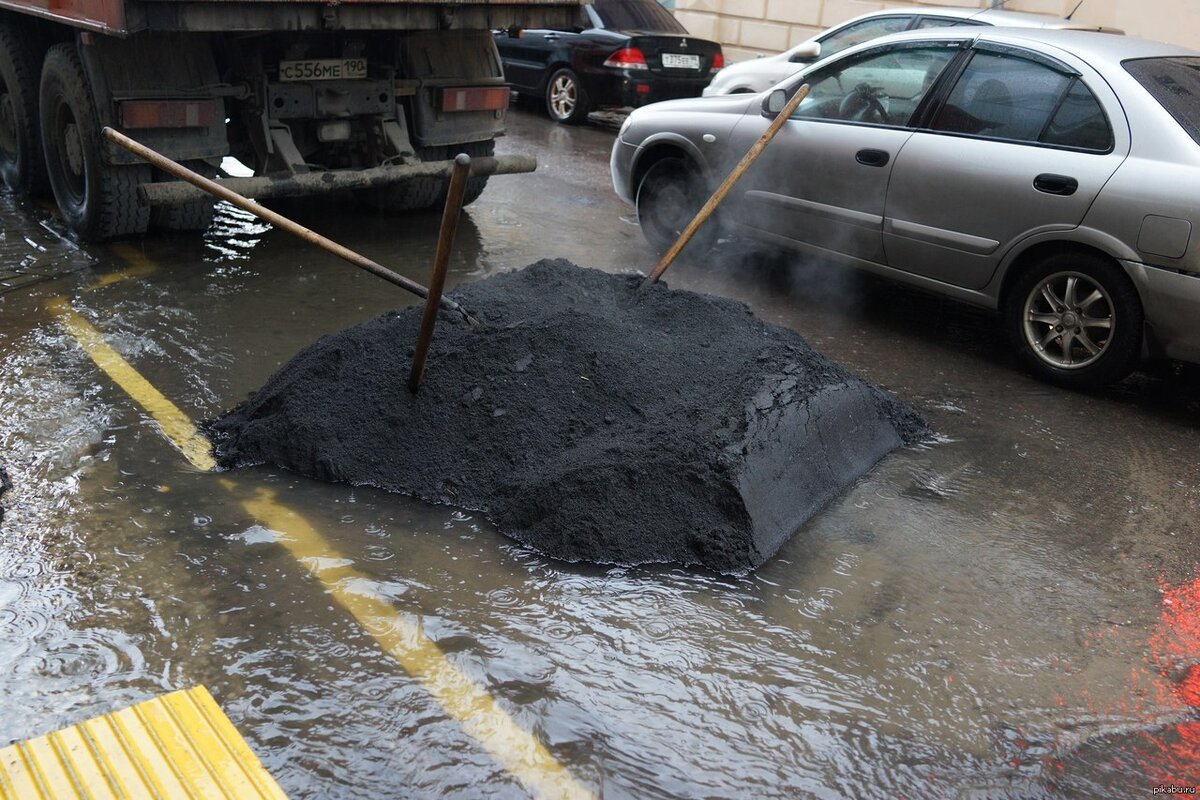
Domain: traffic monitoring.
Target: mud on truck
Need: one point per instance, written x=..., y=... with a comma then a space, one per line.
x=360, y=96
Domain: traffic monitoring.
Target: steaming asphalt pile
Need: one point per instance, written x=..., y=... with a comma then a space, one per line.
x=585, y=418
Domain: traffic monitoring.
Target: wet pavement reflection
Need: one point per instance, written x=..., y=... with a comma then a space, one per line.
x=1011, y=610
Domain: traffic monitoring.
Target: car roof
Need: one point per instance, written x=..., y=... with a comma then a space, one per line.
x=1098, y=49
x=991, y=16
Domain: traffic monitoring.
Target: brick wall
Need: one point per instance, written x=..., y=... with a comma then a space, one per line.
x=747, y=28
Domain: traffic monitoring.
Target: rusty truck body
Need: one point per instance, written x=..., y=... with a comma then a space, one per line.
x=369, y=94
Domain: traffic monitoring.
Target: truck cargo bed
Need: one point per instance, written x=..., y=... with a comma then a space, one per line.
x=123, y=18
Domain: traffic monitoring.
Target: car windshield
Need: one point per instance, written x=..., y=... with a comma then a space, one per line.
x=1175, y=84
x=636, y=15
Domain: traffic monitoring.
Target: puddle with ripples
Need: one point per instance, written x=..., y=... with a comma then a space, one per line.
x=986, y=615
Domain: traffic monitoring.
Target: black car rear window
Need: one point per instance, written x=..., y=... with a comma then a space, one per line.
x=1175, y=84
x=636, y=15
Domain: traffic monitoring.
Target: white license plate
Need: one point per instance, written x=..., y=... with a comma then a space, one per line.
x=323, y=69
x=680, y=61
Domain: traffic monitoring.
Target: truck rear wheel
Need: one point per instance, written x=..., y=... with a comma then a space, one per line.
x=97, y=200
x=21, y=163
x=194, y=216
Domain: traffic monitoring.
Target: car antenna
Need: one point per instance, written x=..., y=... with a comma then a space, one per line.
x=1076, y=8
x=991, y=7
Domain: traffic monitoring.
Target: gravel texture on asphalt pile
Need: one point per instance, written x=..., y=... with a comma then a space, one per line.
x=585, y=418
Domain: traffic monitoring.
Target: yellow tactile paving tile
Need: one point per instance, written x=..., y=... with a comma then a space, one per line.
x=180, y=745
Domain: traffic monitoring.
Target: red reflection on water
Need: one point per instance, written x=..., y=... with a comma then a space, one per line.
x=1175, y=644
x=1171, y=756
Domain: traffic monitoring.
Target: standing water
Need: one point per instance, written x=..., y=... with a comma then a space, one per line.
x=1009, y=611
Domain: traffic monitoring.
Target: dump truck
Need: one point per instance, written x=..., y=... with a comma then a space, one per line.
x=362, y=97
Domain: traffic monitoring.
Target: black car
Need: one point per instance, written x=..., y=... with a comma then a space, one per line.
x=621, y=53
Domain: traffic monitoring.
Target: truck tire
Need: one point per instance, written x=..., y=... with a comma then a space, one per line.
x=97, y=200
x=195, y=216
x=428, y=193
x=22, y=165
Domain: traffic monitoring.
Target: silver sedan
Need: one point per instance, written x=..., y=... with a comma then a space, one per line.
x=1051, y=175
x=760, y=74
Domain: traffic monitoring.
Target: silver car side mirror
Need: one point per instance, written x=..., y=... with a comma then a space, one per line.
x=775, y=102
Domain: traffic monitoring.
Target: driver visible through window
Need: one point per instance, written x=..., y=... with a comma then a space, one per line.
x=880, y=88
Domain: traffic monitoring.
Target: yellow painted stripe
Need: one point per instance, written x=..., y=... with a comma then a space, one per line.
x=139, y=267
x=156, y=753
x=517, y=750
x=175, y=425
x=463, y=700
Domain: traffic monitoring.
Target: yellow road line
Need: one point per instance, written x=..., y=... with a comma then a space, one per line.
x=463, y=700
x=139, y=267
x=175, y=425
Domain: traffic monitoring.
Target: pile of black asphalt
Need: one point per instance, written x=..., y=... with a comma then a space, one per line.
x=584, y=417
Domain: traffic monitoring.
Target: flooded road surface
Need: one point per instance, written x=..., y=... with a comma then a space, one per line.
x=1012, y=610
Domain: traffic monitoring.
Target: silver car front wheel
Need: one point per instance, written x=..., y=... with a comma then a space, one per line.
x=1077, y=320
x=668, y=197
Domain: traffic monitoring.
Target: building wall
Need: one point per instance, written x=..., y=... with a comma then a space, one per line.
x=747, y=28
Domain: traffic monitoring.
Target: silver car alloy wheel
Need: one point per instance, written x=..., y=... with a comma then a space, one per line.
x=563, y=96
x=1069, y=320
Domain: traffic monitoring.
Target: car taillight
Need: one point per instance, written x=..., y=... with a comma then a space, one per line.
x=627, y=58
x=718, y=62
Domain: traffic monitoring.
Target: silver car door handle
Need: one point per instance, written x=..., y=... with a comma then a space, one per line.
x=872, y=158
x=1055, y=184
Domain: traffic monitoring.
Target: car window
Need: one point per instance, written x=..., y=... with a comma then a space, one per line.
x=1079, y=122
x=1003, y=96
x=863, y=31
x=1175, y=84
x=636, y=15
x=879, y=87
x=947, y=22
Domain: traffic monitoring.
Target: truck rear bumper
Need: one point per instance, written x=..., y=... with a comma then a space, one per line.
x=169, y=193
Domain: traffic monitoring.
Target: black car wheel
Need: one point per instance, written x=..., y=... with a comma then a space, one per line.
x=21, y=164
x=668, y=198
x=566, y=99
x=1076, y=320
x=97, y=200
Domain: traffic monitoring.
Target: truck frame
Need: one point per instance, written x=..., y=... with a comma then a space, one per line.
x=369, y=96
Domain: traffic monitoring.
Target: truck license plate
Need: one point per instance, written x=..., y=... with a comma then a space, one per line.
x=681, y=61
x=323, y=69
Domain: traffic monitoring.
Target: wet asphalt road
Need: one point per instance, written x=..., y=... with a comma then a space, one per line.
x=1012, y=610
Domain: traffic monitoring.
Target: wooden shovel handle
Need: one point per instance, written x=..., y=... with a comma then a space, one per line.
x=719, y=195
